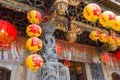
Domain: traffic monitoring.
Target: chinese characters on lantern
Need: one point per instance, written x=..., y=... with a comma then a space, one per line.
x=34, y=44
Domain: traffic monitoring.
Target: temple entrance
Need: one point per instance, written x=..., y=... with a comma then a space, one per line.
x=77, y=71
x=115, y=76
x=4, y=74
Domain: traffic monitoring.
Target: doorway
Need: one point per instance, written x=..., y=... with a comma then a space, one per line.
x=4, y=74
x=115, y=76
x=77, y=71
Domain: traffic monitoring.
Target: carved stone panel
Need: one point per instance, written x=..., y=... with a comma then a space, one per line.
x=48, y=51
x=96, y=71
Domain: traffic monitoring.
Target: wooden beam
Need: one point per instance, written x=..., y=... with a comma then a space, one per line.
x=84, y=26
x=89, y=27
x=17, y=6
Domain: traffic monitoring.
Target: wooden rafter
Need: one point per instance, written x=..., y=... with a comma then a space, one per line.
x=21, y=7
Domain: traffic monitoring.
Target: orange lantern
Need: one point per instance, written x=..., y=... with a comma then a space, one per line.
x=92, y=12
x=112, y=40
x=33, y=30
x=34, y=17
x=107, y=19
x=8, y=32
x=67, y=63
x=34, y=44
x=34, y=62
x=105, y=57
x=94, y=35
x=116, y=26
x=103, y=37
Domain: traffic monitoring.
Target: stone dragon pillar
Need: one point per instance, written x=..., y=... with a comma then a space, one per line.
x=52, y=69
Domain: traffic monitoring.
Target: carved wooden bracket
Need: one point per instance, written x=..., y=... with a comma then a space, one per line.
x=72, y=34
x=60, y=26
x=107, y=47
x=69, y=2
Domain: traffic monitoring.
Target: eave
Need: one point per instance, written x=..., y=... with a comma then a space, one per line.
x=111, y=4
x=17, y=6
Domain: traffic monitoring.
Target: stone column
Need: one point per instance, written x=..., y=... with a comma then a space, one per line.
x=52, y=69
x=87, y=70
x=30, y=75
x=18, y=72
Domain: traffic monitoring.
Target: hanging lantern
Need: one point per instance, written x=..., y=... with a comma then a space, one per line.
x=107, y=19
x=8, y=32
x=34, y=44
x=34, y=62
x=94, y=35
x=33, y=30
x=92, y=12
x=112, y=40
x=105, y=57
x=116, y=26
x=118, y=42
x=103, y=37
x=58, y=49
x=118, y=55
x=34, y=17
x=67, y=63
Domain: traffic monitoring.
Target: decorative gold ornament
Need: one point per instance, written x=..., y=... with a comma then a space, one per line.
x=61, y=6
x=72, y=34
x=61, y=1
x=74, y=2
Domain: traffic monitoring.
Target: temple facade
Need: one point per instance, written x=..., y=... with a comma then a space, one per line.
x=68, y=51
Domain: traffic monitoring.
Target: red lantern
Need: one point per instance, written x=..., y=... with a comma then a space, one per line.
x=58, y=49
x=8, y=32
x=105, y=57
x=67, y=63
x=118, y=55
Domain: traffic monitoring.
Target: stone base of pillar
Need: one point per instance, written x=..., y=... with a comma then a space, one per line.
x=54, y=71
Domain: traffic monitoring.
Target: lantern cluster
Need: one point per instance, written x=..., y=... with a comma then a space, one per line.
x=34, y=44
x=92, y=13
x=104, y=38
